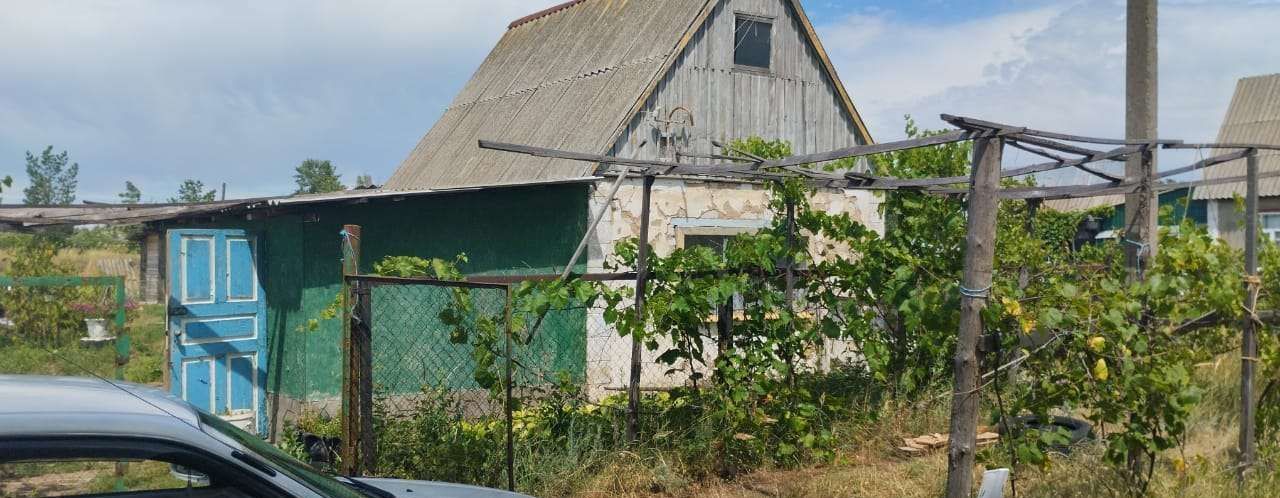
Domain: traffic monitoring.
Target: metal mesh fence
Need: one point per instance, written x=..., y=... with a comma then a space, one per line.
x=442, y=388
x=420, y=351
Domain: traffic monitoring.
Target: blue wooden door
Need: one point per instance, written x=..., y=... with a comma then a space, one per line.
x=217, y=314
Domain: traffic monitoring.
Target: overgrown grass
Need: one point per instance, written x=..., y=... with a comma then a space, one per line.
x=867, y=465
x=581, y=455
x=146, y=361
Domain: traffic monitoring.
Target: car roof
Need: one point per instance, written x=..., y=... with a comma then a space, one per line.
x=26, y=396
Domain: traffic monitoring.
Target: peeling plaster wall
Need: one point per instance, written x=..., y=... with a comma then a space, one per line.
x=684, y=202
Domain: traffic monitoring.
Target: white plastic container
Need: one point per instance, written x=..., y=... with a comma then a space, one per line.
x=96, y=328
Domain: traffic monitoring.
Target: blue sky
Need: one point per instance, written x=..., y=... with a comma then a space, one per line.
x=156, y=91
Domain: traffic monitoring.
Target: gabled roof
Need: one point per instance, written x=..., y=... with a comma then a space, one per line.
x=1253, y=117
x=569, y=77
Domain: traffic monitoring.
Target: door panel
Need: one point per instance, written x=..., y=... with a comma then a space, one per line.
x=216, y=324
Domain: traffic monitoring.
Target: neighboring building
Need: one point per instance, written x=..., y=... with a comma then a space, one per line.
x=1253, y=117
x=643, y=79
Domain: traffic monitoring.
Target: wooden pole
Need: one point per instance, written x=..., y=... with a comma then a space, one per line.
x=790, y=288
x=1249, y=337
x=507, y=406
x=1141, y=206
x=362, y=344
x=642, y=278
x=350, y=251
x=975, y=287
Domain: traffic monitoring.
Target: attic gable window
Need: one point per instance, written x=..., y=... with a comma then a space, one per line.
x=752, y=42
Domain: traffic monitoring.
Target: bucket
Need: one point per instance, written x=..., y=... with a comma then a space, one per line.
x=96, y=329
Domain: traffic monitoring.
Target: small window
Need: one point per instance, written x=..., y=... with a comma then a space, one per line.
x=1271, y=225
x=752, y=46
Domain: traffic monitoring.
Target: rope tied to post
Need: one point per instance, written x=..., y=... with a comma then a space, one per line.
x=1252, y=284
x=346, y=244
x=982, y=293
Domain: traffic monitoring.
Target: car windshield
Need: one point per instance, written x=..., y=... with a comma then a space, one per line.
x=302, y=472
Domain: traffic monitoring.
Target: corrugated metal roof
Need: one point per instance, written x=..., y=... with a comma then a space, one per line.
x=21, y=215
x=1253, y=117
x=566, y=78
x=1084, y=203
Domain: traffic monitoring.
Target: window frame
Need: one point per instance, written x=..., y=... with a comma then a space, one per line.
x=220, y=471
x=733, y=55
x=1273, y=234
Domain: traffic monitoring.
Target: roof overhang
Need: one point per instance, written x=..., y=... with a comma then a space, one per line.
x=22, y=216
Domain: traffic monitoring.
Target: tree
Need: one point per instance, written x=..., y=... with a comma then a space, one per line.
x=315, y=176
x=51, y=180
x=131, y=194
x=193, y=191
x=364, y=181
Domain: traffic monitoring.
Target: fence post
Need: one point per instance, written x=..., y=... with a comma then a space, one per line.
x=362, y=343
x=1249, y=337
x=350, y=250
x=642, y=279
x=975, y=287
x=507, y=406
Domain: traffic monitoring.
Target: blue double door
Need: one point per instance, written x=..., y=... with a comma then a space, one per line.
x=217, y=329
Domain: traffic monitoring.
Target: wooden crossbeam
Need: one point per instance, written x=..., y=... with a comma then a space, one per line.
x=1035, y=150
x=1223, y=146
x=731, y=148
x=1205, y=163
x=1101, y=189
x=1056, y=145
x=1164, y=187
x=880, y=148
x=967, y=122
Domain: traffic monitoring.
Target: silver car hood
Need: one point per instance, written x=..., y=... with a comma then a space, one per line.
x=402, y=488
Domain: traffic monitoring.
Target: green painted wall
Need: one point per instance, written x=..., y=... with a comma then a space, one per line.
x=502, y=231
x=1174, y=206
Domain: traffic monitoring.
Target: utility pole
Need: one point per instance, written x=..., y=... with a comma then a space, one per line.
x=1140, y=206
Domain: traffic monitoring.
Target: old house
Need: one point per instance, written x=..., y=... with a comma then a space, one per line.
x=1252, y=117
x=645, y=79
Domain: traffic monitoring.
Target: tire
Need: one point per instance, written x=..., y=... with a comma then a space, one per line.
x=1077, y=430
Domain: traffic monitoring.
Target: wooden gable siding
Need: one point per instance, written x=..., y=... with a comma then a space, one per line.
x=795, y=101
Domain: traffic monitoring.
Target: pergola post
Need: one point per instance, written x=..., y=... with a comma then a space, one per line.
x=975, y=287
x=1249, y=332
x=642, y=280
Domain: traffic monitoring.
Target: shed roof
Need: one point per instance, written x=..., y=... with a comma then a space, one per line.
x=27, y=216
x=568, y=77
x=1253, y=117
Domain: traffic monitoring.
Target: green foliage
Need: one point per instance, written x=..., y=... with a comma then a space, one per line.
x=759, y=147
x=315, y=176
x=43, y=315
x=131, y=194
x=1085, y=337
x=193, y=191
x=50, y=179
x=413, y=266
x=24, y=355
x=364, y=181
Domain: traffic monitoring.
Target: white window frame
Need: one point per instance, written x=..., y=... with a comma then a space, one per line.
x=1272, y=233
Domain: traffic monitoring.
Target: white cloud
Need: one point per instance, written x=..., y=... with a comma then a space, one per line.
x=240, y=91
x=1059, y=67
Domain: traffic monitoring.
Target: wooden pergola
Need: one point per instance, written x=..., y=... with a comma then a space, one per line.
x=1060, y=151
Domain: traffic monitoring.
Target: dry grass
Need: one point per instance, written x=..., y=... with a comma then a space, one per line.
x=868, y=466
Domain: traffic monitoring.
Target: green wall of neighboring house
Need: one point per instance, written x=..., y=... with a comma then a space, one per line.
x=502, y=231
x=1175, y=205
